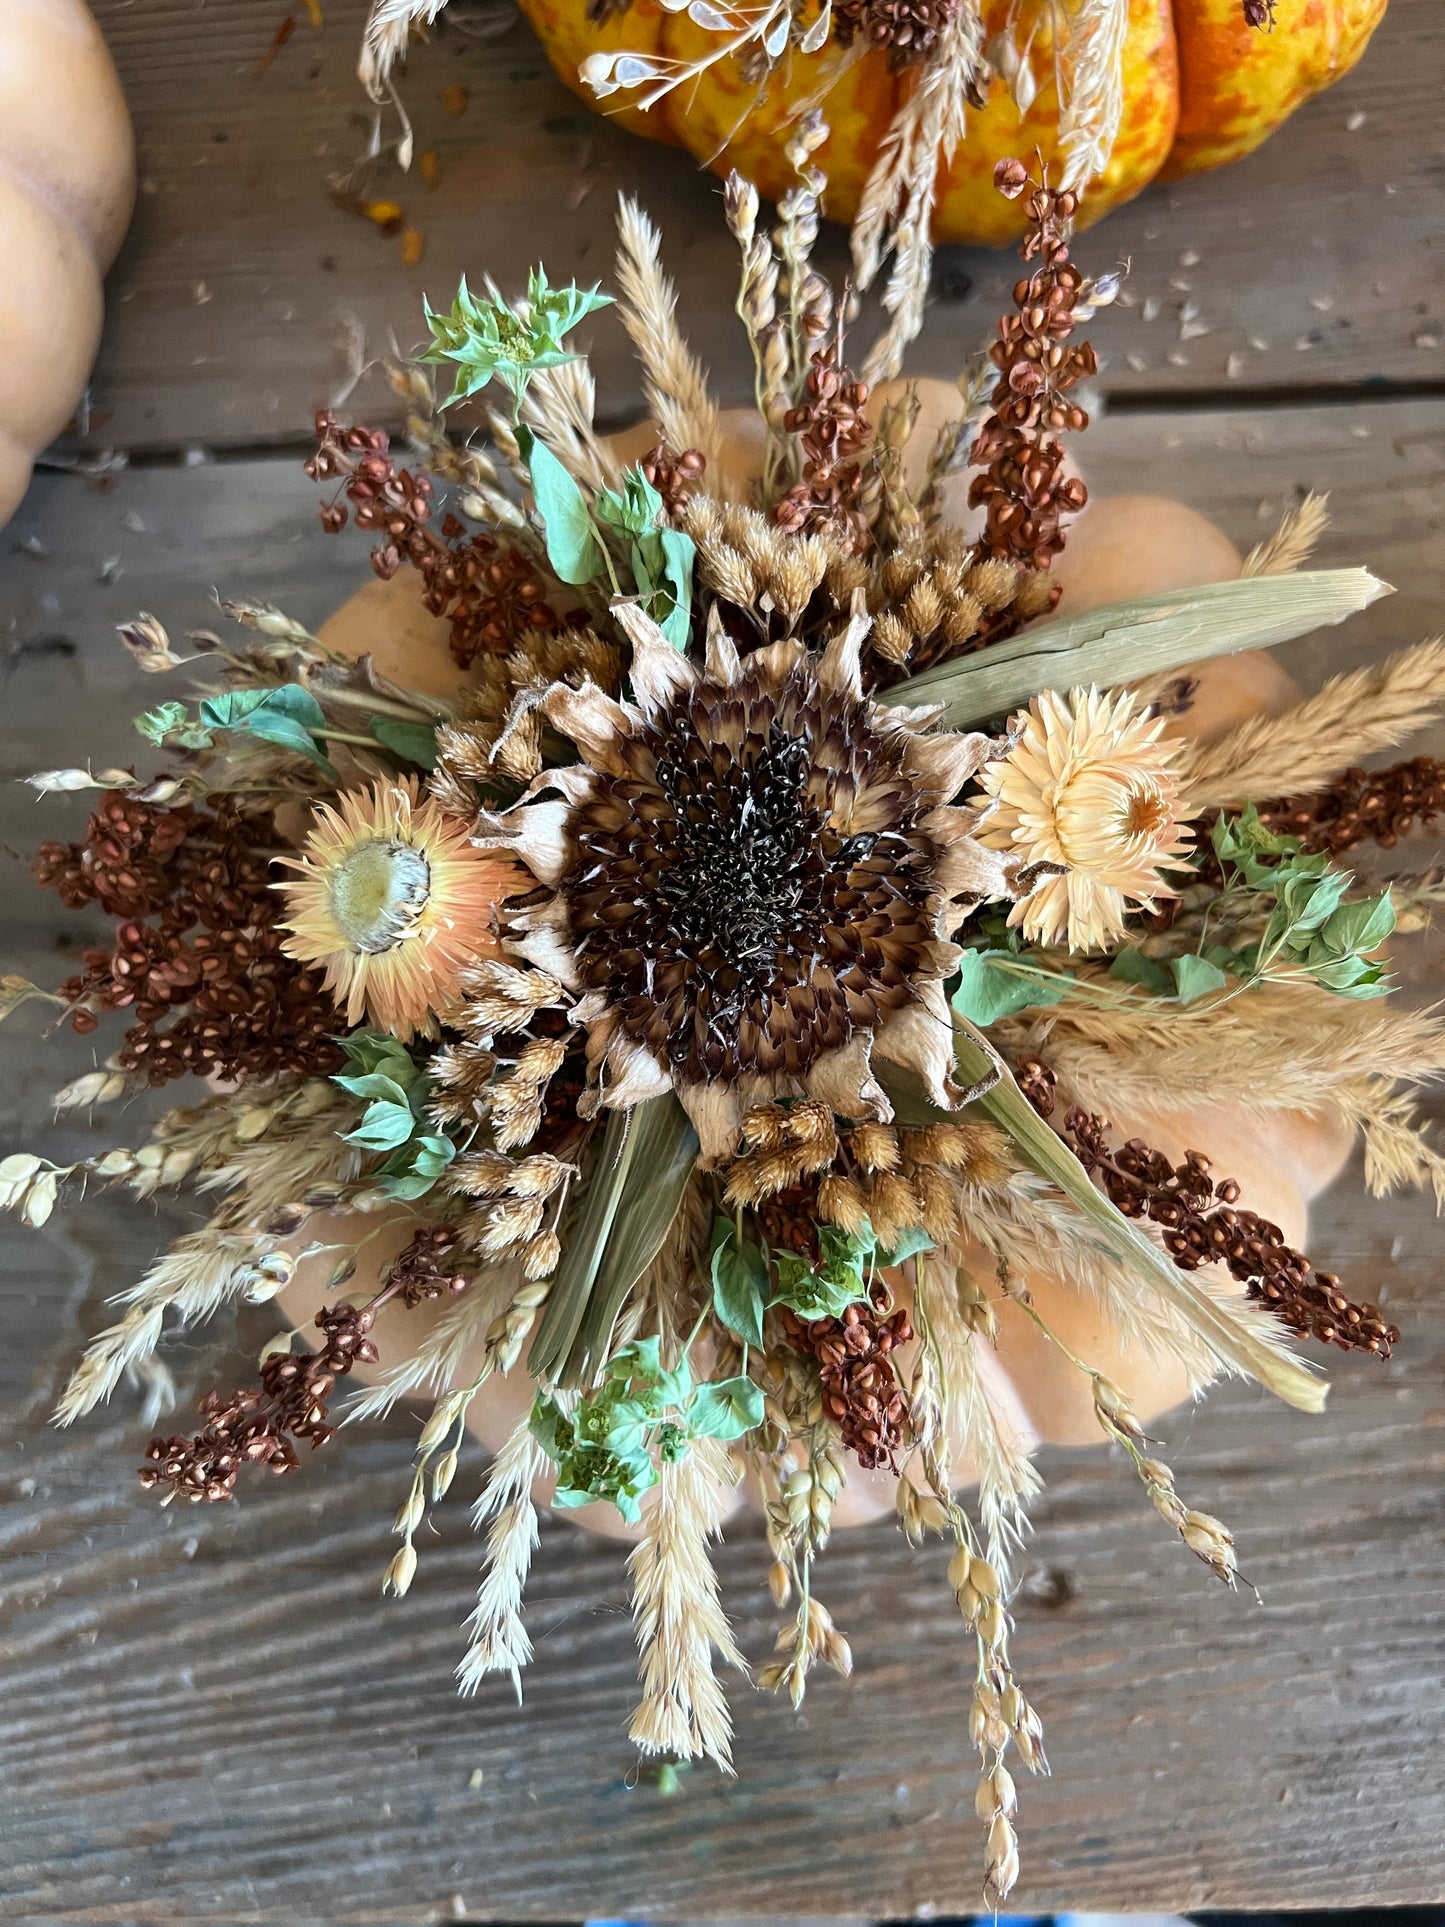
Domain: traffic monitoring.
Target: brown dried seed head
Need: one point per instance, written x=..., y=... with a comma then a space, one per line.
x=994, y=583
x=939, y=1199
x=893, y=1206
x=763, y=1127
x=541, y=1255
x=875, y=1146
x=841, y=1202
x=541, y=1059
x=508, y=1224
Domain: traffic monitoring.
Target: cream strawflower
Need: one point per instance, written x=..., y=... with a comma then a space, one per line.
x=1089, y=784
x=394, y=900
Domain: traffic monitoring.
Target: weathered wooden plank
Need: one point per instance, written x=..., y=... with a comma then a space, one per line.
x=242, y=290
x=212, y=1715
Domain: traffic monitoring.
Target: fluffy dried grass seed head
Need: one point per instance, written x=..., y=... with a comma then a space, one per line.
x=394, y=901
x=757, y=872
x=1090, y=786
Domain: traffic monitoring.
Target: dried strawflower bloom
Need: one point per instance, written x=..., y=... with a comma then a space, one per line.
x=1089, y=787
x=394, y=901
x=757, y=873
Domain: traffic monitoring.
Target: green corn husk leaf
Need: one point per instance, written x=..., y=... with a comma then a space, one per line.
x=1001, y=1100
x=1151, y=634
x=648, y=1155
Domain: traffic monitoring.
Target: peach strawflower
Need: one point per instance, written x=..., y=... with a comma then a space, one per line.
x=394, y=900
x=1090, y=785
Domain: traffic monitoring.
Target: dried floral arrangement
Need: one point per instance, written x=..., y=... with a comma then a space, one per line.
x=747, y=977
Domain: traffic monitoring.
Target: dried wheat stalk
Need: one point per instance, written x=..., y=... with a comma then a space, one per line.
x=1293, y=754
x=559, y=403
x=499, y=1642
x=896, y=212
x=1293, y=542
x=1284, y=1047
x=674, y=380
x=1089, y=63
x=679, y=1616
x=388, y=29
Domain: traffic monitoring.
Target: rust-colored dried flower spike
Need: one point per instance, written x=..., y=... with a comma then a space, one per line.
x=861, y=1393
x=673, y=476
x=489, y=592
x=909, y=29
x=833, y=433
x=197, y=956
x=1023, y=488
x=1363, y=806
x=262, y=1426
x=1202, y=1225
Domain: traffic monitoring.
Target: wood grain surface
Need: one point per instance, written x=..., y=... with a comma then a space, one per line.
x=212, y=1715
x=244, y=296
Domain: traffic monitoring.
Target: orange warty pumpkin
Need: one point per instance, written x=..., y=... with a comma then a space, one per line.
x=1201, y=86
x=67, y=186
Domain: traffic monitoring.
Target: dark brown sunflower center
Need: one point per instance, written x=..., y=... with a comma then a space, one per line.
x=755, y=887
x=748, y=848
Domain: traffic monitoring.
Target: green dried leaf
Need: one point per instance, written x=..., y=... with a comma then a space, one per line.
x=646, y=1160
x=1131, y=966
x=285, y=716
x=571, y=541
x=1143, y=637
x=909, y=1244
x=739, y=1283
x=383, y=1127
x=726, y=1408
x=986, y=993
x=1048, y=1155
x=1195, y=977
x=412, y=742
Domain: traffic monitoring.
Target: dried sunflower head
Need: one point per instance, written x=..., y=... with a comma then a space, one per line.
x=755, y=876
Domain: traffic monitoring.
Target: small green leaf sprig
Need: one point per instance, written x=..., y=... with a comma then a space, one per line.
x=642, y=1415
x=746, y=1283
x=581, y=538
x=287, y=716
x=384, y=1075
x=1000, y=983
x=1312, y=931
x=485, y=340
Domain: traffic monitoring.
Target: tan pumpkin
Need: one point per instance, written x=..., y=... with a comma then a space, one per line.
x=1121, y=546
x=1201, y=87
x=67, y=187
